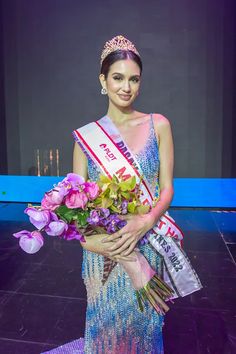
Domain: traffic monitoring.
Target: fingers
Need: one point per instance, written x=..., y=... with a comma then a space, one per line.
x=130, y=249
x=113, y=237
x=120, y=249
x=118, y=243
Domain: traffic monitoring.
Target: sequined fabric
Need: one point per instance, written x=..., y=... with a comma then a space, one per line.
x=114, y=324
x=74, y=347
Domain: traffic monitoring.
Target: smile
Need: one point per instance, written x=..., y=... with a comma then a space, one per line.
x=124, y=97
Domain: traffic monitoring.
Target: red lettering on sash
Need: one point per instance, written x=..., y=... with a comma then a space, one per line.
x=170, y=233
x=160, y=224
x=145, y=201
x=121, y=172
x=103, y=145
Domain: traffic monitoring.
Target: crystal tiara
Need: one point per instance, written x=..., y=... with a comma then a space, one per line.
x=117, y=43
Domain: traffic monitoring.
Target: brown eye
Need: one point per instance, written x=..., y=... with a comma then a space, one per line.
x=135, y=79
x=117, y=78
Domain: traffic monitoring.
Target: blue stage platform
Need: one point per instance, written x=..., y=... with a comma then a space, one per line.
x=189, y=192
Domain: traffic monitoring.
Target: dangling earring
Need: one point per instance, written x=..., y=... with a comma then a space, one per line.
x=103, y=91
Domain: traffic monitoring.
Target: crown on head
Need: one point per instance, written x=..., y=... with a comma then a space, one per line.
x=117, y=43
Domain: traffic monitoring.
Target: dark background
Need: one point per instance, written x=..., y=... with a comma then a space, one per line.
x=50, y=52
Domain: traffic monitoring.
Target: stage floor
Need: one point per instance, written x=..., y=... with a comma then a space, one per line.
x=43, y=299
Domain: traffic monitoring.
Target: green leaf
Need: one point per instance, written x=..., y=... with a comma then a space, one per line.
x=142, y=209
x=69, y=215
x=104, y=179
x=65, y=213
x=106, y=193
x=82, y=218
x=98, y=201
x=62, y=209
x=115, y=179
x=113, y=187
x=131, y=207
x=115, y=209
x=126, y=195
x=62, y=218
x=124, y=186
x=132, y=182
x=106, y=202
x=128, y=185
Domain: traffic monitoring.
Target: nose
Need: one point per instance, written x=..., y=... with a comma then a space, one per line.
x=126, y=86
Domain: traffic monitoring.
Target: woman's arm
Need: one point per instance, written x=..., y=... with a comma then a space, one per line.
x=80, y=162
x=166, y=153
x=137, y=225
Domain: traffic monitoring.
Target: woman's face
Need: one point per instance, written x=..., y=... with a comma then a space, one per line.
x=122, y=82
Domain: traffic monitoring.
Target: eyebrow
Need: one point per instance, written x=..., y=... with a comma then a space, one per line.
x=123, y=75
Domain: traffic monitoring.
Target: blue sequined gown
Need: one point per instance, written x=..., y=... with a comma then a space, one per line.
x=114, y=324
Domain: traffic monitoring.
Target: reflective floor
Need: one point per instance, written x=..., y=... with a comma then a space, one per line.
x=43, y=299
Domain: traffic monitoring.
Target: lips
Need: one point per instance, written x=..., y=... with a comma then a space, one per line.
x=125, y=97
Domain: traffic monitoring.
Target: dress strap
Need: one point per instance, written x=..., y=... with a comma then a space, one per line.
x=153, y=128
x=151, y=120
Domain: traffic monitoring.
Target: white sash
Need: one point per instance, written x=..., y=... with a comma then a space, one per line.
x=103, y=143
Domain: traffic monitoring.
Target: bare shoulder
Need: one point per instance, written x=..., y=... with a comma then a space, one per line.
x=162, y=126
x=160, y=121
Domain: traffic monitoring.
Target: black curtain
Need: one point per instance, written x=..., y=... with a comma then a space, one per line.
x=3, y=142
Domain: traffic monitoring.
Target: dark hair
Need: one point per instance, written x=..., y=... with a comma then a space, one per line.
x=119, y=55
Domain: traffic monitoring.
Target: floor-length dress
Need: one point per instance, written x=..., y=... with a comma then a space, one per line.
x=114, y=323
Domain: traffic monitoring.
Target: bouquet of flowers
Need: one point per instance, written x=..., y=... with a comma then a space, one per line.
x=74, y=209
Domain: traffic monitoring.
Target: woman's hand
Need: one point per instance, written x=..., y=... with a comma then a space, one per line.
x=94, y=244
x=124, y=241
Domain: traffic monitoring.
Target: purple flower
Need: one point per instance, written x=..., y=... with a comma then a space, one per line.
x=39, y=218
x=72, y=180
x=114, y=223
x=111, y=228
x=104, y=212
x=124, y=206
x=121, y=224
x=99, y=217
x=93, y=218
x=30, y=242
x=73, y=234
x=56, y=228
x=113, y=220
x=103, y=222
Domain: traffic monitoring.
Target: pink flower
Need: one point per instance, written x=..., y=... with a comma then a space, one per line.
x=39, y=218
x=30, y=242
x=72, y=181
x=53, y=198
x=92, y=190
x=76, y=199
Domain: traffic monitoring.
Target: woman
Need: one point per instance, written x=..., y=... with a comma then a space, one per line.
x=114, y=323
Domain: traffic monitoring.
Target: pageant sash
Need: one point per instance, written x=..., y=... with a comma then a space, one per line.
x=103, y=143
